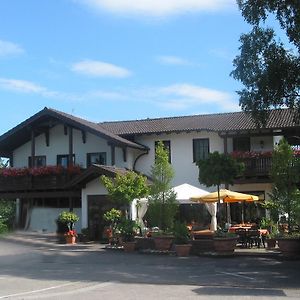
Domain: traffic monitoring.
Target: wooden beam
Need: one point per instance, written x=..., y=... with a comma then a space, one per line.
x=225, y=145
x=45, y=194
x=83, y=134
x=47, y=137
x=124, y=154
x=32, y=149
x=70, y=146
x=113, y=155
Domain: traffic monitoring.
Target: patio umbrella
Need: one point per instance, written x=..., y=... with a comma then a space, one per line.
x=227, y=196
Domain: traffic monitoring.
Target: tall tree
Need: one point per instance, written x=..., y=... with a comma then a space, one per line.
x=162, y=201
x=268, y=68
x=286, y=175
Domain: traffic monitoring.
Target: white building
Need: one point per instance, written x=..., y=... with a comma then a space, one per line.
x=52, y=138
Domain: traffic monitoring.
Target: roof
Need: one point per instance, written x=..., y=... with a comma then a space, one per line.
x=48, y=118
x=222, y=122
x=94, y=171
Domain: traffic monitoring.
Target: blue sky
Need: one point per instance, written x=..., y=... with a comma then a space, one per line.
x=117, y=59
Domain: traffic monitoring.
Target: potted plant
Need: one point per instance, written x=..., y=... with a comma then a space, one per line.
x=162, y=200
x=182, y=239
x=113, y=217
x=224, y=242
x=289, y=245
x=68, y=219
x=127, y=229
x=285, y=174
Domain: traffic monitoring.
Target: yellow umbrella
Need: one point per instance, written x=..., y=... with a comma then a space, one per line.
x=225, y=195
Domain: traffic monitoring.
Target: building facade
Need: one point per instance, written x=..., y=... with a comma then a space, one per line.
x=56, y=159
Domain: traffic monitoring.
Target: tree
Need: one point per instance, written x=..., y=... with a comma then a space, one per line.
x=162, y=201
x=285, y=175
x=268, y=68
x=123, y=189
x=218, y=169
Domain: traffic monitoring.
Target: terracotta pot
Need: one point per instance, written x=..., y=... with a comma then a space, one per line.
x=163, y=243
x=289, y=247
x=183, y=250
x=271, y=243
x=70, y=239
x=129, y=246
x=225, y=246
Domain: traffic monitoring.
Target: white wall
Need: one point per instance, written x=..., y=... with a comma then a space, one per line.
x=43, y=218
x=59, y=144
x=181, y=154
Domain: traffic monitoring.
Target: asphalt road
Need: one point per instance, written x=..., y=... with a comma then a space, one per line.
x=49, y=271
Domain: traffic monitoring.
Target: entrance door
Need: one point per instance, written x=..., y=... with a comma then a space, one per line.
x=97, y=206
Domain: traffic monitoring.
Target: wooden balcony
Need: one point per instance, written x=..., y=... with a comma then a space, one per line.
x=257, y=169
x=34, y=183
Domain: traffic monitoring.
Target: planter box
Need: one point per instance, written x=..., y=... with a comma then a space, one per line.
x=201, y=246
x=225, y=246
x=290, y=248
x=183, y=250
x=271, y=243
x=163, y=243
x=143, y=243
x=129, y=246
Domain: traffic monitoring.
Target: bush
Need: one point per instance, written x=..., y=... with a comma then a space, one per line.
x=3, y=227
x=68, y=218
x=181, y=234
x=7, y=213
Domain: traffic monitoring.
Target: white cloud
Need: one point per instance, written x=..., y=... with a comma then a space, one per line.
x=192, y=95
x=173, y=60
x=9, y=48
x=157, y=8
x=21, y=86
x=99, y=69
x=28, y=87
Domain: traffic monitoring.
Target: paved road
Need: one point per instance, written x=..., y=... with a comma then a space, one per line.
x=37, y=268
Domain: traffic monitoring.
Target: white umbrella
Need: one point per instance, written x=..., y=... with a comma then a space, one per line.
x=184, y=193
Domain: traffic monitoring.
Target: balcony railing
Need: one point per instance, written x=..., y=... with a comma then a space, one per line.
x=47, y=178
x=257, y=166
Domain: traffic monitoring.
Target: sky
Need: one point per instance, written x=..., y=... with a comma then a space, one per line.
x=107, y=60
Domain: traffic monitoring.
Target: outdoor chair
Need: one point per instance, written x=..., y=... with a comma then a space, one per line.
x=254, y=238
x=242, y=236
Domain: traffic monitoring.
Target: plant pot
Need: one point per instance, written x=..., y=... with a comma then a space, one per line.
x=289, y=247
x=129, y=246
x=271, y=243
x=70, y=240
x=183, y=249
x=163, y=243
x=225, y=246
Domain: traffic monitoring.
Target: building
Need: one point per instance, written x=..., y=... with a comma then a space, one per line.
x=46, y=150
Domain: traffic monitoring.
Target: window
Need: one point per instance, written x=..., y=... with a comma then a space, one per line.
x=241, y=144
x=200, y=149
x=96, y=158
x=63, y=160
x=167, y=146
x=39, y=161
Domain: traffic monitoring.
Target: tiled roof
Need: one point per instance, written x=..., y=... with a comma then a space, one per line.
x=223, y=122
x=96, y=127
x=20, y=134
